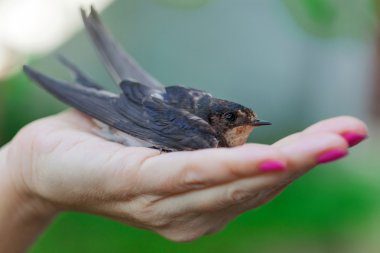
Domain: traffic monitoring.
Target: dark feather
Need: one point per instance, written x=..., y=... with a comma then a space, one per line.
x=147, y=118
x=136, y=91
x=80, y=77
x=184, y=128
x=120, y=65
x=192, y=100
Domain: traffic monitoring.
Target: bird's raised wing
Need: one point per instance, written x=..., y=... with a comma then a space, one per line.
x=147, y=118
x=120, y=65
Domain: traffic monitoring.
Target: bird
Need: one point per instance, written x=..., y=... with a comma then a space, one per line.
x=146, y=113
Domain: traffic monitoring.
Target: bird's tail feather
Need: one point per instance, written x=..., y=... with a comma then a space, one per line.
x=80, y=77
x=95, y=103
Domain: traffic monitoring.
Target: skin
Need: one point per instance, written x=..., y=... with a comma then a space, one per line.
x=57, y=164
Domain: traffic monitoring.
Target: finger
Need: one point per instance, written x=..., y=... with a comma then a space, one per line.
x=260, y=198
x=304, y=152
x=301, y=156
x=352, y=129
x=287, y=140
x=182, y=171
x=311, y=149
x=222, y=196
x=339, y=125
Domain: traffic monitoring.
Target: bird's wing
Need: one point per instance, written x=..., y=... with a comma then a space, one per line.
x=192, y=100
x=120, y=65
x=174, y=126
x=149, y=120
x=79, y=76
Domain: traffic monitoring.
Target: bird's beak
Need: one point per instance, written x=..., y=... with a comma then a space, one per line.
x=258, y=122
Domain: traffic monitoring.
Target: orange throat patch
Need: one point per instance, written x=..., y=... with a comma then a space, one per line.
x=238, y=136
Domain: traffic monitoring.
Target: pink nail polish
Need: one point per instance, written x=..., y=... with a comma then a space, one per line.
x=272, y=166
x=332, y=155
x=353, y=138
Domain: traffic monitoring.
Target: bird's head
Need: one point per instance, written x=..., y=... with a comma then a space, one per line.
x=233, y=122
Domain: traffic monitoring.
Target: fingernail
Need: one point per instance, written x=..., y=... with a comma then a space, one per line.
x=272, y=166
x=332, y=155
x=353, y=138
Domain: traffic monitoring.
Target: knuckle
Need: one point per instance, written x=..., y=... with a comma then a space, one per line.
x=236, y=195
x=160, y=222
x=191, y=178
x=146, y=212
x=190, y=229
x=332, y=138
x=272, y=153
x=154, y=219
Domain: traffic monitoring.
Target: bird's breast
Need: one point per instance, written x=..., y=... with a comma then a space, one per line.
x=238, y=135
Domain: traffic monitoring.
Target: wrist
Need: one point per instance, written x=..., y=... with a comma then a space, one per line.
x=22, y=214
x=15, y=191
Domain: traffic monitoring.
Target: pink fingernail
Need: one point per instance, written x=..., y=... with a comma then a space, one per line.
x=353, y=138
x=272, y=166
x=332, y=155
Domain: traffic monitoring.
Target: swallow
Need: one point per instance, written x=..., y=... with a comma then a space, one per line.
x=146, y=113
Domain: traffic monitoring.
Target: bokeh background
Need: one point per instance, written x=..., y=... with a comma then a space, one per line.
x=294, y=61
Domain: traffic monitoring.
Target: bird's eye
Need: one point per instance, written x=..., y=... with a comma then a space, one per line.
x=231, y=117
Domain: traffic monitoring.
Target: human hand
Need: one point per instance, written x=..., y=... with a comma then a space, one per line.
x=180, y=195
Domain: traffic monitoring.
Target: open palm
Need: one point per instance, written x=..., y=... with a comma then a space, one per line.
x=180, y=195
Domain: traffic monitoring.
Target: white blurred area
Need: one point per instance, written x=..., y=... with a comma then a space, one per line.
x=37, y=26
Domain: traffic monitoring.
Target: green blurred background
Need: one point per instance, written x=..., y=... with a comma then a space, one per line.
x=294, y=61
